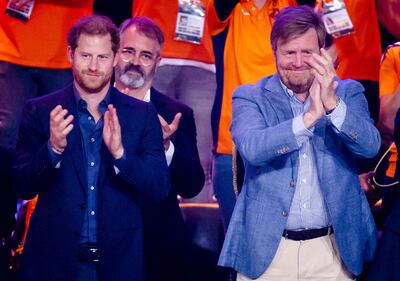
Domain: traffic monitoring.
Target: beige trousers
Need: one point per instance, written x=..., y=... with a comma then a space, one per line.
x=309, y=260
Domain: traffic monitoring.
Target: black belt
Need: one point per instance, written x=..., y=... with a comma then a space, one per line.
x=88, y=252
x=307, y=234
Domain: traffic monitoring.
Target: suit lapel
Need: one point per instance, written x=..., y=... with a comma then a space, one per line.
x=74, y=147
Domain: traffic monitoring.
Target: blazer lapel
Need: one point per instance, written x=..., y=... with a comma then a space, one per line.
x=74, y=138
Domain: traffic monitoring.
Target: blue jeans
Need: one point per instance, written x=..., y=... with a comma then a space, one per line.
x=18, y=84
x=223, y=186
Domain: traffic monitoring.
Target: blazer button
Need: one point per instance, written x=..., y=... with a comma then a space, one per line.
x=292, y=183
x=284, y=213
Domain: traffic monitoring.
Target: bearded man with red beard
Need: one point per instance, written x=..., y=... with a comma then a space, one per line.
x=92, y=155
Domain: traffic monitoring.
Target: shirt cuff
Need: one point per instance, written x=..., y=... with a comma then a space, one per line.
x=170, y=153
x=300, y=131
x=338, y=114
x=54, y=157
x=118, y=162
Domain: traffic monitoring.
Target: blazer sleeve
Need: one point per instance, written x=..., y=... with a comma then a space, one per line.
x=145, y=169
x=32, y=165
x=358, y=131
x=187, y=175
x=259, y=139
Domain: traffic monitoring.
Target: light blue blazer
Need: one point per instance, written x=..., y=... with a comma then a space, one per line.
x=262, y=131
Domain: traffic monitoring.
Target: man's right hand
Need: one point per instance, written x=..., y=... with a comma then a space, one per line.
x=316, y=110
x=60, y=126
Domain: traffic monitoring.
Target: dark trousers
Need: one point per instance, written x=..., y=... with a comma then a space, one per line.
x=88, y=271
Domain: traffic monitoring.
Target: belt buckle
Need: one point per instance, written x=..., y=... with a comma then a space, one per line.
x=94, y=251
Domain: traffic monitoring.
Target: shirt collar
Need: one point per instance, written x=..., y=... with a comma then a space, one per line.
x=287, y=91
x=82, y=104
x=147, y=96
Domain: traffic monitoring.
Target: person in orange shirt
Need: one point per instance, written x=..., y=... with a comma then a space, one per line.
x=33, y=60
x=389, y=92
x=385, y=266
x=243, y=55
x=187, y=70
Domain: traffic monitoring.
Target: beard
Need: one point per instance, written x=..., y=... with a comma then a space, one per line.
x=296, y=82
x=91, y=81
x=133, y=76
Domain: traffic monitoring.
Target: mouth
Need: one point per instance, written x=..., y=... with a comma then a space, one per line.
x=93, y=74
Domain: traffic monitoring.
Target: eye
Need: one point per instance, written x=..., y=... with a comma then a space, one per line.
x=85, y=56
x=128, y=51
x=147, y=56
x=104, y=57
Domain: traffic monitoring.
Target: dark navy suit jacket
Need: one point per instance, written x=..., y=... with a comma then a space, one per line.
x=51, y=250
x=167, y=244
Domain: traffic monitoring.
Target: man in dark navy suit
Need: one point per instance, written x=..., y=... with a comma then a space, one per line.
x=168, y=250
x=93, y=155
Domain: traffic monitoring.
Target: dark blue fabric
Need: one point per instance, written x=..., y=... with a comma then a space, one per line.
x=92, y=138
x=54, y=238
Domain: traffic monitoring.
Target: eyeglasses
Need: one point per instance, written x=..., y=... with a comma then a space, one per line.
x=145, y=59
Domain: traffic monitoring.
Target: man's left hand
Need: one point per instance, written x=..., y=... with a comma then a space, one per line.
x=112, y=132
x=324, y=72
x=169, y=129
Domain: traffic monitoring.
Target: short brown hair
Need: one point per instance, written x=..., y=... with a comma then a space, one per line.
x=93, y=25
x=293, y=22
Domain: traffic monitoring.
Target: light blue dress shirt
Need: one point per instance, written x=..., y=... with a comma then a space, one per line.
x=308, y=210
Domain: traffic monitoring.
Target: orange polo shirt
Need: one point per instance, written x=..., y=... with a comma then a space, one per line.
x=360, y=52
x=164, y=13
x=42, y=40
x=389, y=80
x=248, y=54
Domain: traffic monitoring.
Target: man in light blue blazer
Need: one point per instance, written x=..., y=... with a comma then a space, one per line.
x=301, y=214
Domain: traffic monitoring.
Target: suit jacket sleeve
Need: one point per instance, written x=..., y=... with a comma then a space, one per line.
x=258, y=139
x=32, y=166
x=187, y=176
x=358, y=131
x=145, y=169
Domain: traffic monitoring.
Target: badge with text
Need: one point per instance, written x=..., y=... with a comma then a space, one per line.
x=336, y=18
x=20, y=9
x=190, y=21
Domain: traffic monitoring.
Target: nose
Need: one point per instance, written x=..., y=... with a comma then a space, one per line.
x=93, y=64
x=135, y=60
x=298, y=60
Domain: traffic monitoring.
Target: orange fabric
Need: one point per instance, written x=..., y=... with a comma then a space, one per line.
x=40, y=42
x=389, y=80
x=360, y=52
x=248, y=54
x=29, y=212
x=164, y=13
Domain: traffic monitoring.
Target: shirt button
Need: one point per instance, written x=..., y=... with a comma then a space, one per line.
x=92, y=213
x=92, y=139
x=305, y=205
x=284, y=213
x=92, y=164
x=304, y=156
x=304, y=180
x=92, y=187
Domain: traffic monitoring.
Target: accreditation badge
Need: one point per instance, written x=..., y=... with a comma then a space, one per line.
x=336, y=18
x=190, y=21
x=20, y=9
